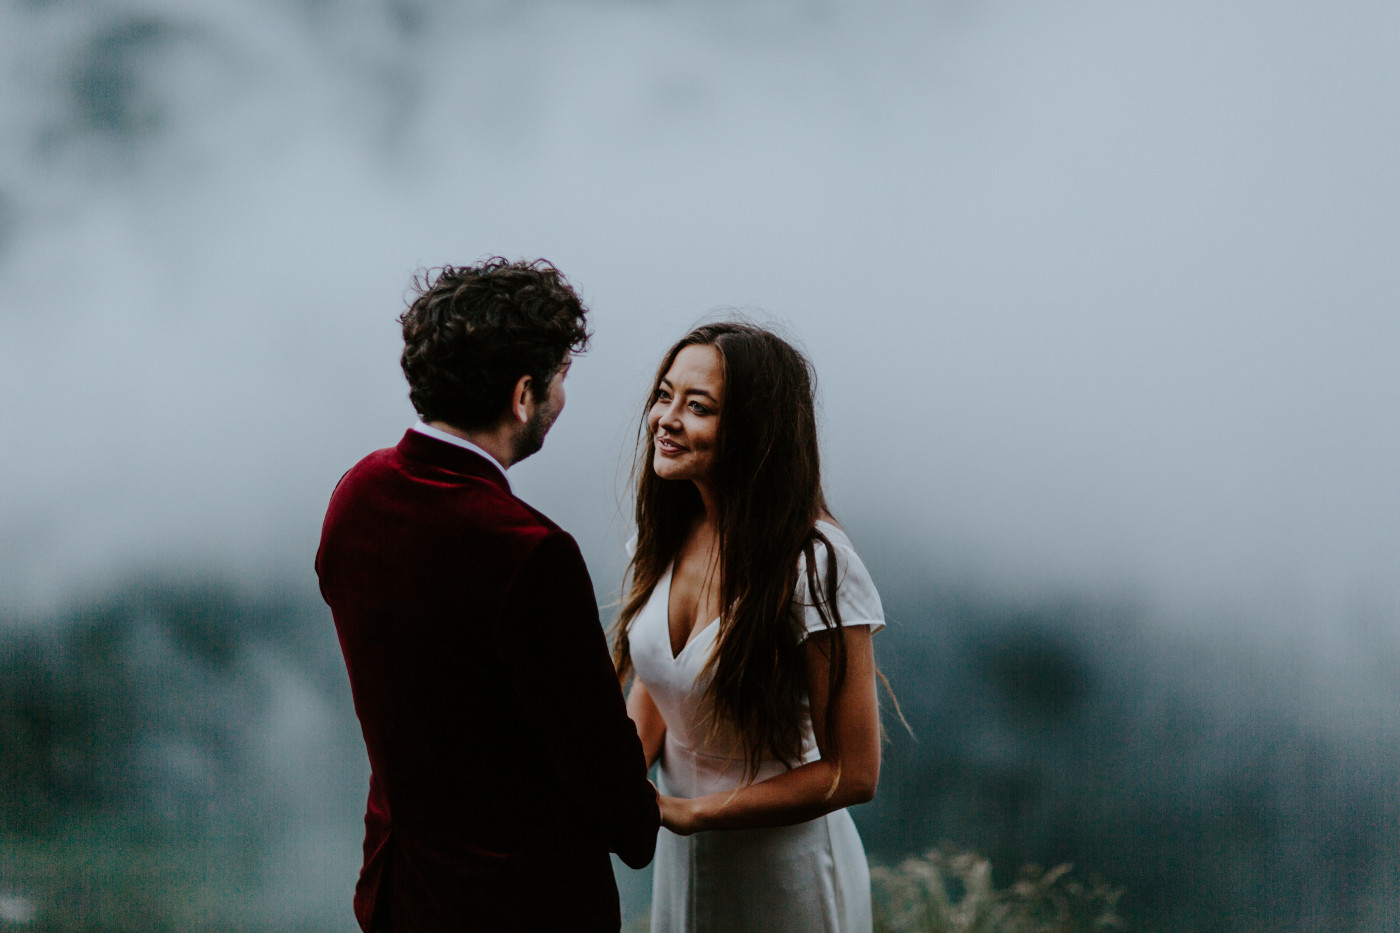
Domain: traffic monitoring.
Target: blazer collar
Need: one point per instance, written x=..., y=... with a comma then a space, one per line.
x=424, y=449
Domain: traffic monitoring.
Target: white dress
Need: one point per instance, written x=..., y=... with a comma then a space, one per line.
x=808, y=878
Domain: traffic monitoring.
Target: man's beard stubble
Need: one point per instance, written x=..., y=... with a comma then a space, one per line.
x=531, y=438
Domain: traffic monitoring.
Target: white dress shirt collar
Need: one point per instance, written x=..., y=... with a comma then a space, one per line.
x=441, y=435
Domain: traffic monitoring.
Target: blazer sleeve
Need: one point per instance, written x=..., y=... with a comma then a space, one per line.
x=557, y=660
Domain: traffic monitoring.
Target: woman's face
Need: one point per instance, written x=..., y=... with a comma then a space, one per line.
x=684, y=415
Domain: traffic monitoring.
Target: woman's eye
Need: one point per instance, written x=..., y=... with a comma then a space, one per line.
x=662, y=395
x=699, y=409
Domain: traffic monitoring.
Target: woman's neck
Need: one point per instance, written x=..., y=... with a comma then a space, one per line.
x=709, y=503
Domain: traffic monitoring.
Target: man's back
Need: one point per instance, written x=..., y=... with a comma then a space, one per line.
x=504, y=766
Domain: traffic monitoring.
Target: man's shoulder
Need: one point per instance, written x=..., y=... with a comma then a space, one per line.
x=376, y=463
x=538, y=517
x=482, y=508
x=442, y=504
x=523, y=528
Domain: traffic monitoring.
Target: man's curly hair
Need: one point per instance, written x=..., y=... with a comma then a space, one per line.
x=471, y=332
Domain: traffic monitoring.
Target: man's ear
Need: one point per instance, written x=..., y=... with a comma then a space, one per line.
x=522, y=401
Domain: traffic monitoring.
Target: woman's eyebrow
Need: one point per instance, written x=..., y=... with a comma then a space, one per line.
x=690, y=391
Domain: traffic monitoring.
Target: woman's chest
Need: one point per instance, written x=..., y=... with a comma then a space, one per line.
x=672, y=677
x=692, y=598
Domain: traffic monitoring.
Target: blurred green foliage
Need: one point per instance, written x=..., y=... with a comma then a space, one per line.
x=939, y=893
x=134, y=700
x=124, y=746
x=168, y=750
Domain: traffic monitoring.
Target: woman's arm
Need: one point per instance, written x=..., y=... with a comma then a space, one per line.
x=802, y=794
x=651, y=728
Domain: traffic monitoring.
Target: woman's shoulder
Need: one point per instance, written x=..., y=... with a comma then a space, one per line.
x=850, y=569
x=832, y=533
x=857, y=598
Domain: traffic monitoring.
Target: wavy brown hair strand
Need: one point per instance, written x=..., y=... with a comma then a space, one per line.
x=769, y=497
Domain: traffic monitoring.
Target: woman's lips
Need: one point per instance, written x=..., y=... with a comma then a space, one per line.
x=667, y=446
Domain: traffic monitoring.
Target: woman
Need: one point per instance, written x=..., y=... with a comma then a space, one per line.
x=748, y=622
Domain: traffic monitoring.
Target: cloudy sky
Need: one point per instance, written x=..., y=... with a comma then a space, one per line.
x=1100, y=294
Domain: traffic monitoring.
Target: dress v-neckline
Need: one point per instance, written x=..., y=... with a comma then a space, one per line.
x=694, y=634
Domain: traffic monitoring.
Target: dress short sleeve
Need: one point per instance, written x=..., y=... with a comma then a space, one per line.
x=856, y=597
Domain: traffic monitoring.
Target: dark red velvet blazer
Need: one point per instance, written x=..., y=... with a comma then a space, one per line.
x=504, y=767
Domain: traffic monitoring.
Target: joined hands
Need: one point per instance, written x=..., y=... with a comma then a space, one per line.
x=678, y=815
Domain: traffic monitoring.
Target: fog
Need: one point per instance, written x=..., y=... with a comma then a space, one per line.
x=1096, y=292
x=1102, y=297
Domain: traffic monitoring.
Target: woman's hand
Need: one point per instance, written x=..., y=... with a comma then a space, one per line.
x=846, y=773
x=678, y=815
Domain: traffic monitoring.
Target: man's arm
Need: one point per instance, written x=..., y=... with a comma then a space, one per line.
x=557, y=659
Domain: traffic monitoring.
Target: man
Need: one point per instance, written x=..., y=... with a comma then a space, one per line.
x=503, y=765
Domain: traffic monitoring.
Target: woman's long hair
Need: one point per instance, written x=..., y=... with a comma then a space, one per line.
x=768, y=497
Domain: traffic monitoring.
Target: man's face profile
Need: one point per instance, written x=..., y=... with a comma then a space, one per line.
x=531, y=437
